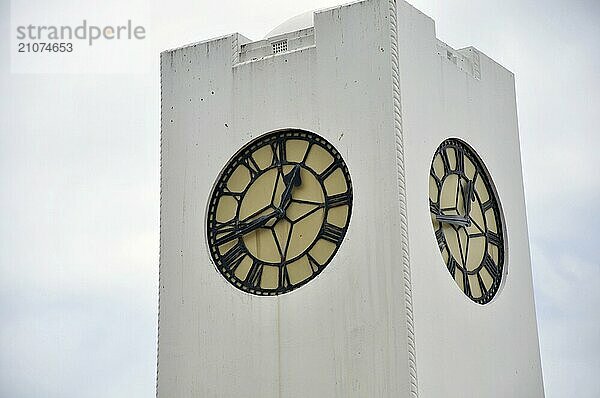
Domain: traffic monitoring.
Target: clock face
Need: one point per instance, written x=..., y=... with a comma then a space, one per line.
x=467, y=220
x=278, y=212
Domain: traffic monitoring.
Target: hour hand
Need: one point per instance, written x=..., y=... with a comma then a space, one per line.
x=291, y=180
x=458, y=221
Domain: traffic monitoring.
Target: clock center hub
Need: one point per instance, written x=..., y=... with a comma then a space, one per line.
x=295, y=225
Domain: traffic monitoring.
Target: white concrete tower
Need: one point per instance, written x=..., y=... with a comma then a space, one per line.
x=342, y=215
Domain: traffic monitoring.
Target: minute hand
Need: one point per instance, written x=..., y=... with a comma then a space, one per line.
x=245, y=228
x=454, y=220
x=468, y=197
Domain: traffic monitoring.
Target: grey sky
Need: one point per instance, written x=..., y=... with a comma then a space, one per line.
x=79, y=170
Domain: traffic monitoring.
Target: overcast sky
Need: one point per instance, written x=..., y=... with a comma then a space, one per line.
x=79, y=158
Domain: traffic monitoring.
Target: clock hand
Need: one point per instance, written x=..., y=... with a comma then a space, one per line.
x=467, y=199
x=291, y=180
x=249, y=227
x=459, y=221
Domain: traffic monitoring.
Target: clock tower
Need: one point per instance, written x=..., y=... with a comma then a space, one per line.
x=342, y=215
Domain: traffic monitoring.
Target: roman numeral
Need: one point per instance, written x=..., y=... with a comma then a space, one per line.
x=445, y=161
x=493, y=238
x=491, y=266
x=255, y=273
x=330, y=169
x=338, y=200
x=279, y=155
x=314, y=264
x=332, y=233
x=481, y=285
x=251, y=165
x=438, y=182
x=460, y=160
x=228, y=234
x=234, y=256
x=441, y=239
x=223, y=227
x=284, y=277
x=467, y=287
x=486, y=206
x=434, y=207
x=451, y=265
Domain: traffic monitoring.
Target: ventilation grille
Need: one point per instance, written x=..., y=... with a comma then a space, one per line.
x=279, y=46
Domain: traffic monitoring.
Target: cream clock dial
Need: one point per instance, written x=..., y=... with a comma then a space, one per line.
x=278, y=212
x=467, y=220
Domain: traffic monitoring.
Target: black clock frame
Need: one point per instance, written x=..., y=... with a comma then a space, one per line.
x=227, y=261
x=497, y=271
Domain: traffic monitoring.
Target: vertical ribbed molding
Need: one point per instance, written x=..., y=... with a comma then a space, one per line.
x=400, y=170
x=159, y=221
x=235, y=51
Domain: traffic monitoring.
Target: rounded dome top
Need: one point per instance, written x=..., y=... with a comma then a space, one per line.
x=302, y=21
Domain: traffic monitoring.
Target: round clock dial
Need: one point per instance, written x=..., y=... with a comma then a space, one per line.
x=279, y=212
x=467, y=219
